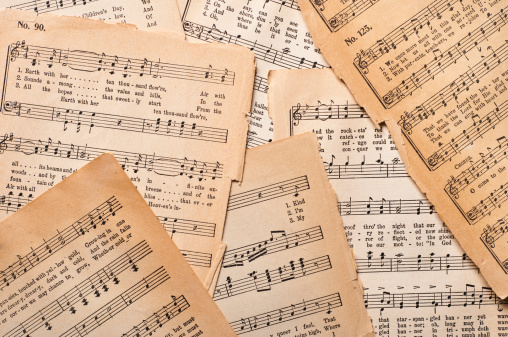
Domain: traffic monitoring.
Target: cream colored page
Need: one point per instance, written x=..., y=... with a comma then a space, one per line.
x=287, y=268
x=436, y=73
x=274, y=30
x=172, y=113
x=98, y=263
x=417, y=280
x=153, y=15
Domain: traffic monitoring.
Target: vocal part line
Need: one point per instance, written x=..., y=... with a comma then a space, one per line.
x=287, y=187
x=185, y=226
x=152, y=323
x=443, y=60
x=346, y=15
x=253, y=140
x=480, y=127
x=99, y=215
x=91, y=120
x=278, y=241
x=45, y=6
x=164, y=166
x=264, y=281
x=83, y=292
x=11, y=203
x=197, y=259
x=88, y=61
x=325, y=112
x=288, y=313
x=385, y=206
x=118, y=304
x=486, y=206
x=269, y=54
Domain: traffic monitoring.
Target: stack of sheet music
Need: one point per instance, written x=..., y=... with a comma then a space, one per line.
x=199, y=168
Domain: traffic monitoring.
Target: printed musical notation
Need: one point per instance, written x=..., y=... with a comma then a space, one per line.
x=467, y=137
x=485, y=207
x=197, y=259
x=184, y=226
x=277, y=242
x=287, y=187
x=260, y=84
x=90, y=120
x=399, y=263
x=83, y=292
x=263, y=281
x=293, y=4
x=150, y=325
x=410, y=120
x=99, y=215
x=90, y=61
x=490, y=237
x=165, y=166
x=265, y=53
x=384, y=206
x=365, y=170
x=458, y=183
x=403, y=32
x=324, y=112
x=346, y=15
x=11, y=203
x=253, y=140
x=291, y=312
x=443, y=60
x=119, y=303
x=469, y=297
x=44, y=6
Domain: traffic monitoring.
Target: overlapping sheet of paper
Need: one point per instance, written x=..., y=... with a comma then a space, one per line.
x=172, y=113
x=153, y=15
x=436, y=73
x=288, y=269
x=89, y=258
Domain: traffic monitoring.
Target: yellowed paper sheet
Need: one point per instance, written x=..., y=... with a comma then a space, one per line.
x=153, y=15
x=436, y=73
x=406, y=257
x=98, y=263
x=288, y=270
x=172, y=113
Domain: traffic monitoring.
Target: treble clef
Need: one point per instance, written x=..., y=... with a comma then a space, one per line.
x=16, y=50
x=3, y=143
x=488, y=238
x=297, y=116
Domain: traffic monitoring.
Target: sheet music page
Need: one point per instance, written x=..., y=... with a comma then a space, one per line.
x=274, y=30
x=283, y=233
x=98, y=264
x=173, y=114
x=153, y=15
x=417, y=280
x=436, y=73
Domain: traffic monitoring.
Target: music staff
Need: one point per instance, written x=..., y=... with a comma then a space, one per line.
x=90, y=120
x=260, y=84
x=493, y=233
x=324, y=112
x=81, y=294
x=287, y=187
x=365, y=170
x=197, y=259
x=345, y=16
x=126, y=67
x=11, y=203
x=399, y=263
x=263, y=281
x=184, y=226
x=150, y=325
x=477, y=169
x=266, y=53
x=119, y=303
x=485, y=207
x=469, y=297
x=291, y=312
x=287, y=3
x=445, y=59
x=253, y=140
x=49, y=5
x=278, y=241
x=164, y=166
x=409, y=120
x=99, y=215
x=403, y=32
x=384, y=206
x=480, y=126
